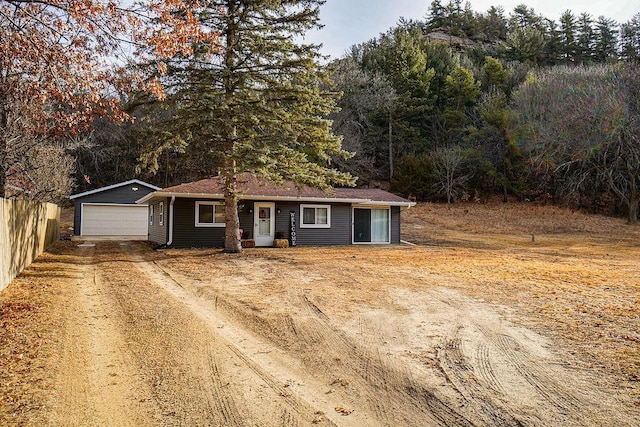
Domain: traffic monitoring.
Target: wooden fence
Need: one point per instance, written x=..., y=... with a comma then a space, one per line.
x=26, y=230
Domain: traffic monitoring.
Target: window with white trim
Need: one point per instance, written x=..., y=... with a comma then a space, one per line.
x=150, y=214
x=161, y=214
x=210, y=214
x=315, y=216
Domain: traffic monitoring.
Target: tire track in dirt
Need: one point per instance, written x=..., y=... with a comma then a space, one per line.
x=485, y=369
x=393, y=397
x=364, y=388
x=97, y=382
x=478, y=378
x=539, y=376
x=190, y=376
x=300, y=408
x=502, y=374
x=363, y=362
x=218, y=400
x=461, y=373
x=292, y=408
x=540, y=379
x=366, y=346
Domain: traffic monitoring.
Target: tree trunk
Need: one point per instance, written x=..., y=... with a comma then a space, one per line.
x=232, y=222
x=230, y=170
x=232, y=230
x=390, y=146
x=634, y=198
x=633, y=211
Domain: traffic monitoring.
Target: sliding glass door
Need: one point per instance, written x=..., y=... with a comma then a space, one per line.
x=371, y=225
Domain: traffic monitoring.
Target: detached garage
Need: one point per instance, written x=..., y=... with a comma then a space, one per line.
x=111, y=212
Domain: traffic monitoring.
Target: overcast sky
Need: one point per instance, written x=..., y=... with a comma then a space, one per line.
x=348, y=22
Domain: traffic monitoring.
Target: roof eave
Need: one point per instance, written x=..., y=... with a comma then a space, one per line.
x=309, y=199
x=112, y=186
x=384, y=203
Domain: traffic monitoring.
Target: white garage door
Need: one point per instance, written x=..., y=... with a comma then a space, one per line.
x=114, y=220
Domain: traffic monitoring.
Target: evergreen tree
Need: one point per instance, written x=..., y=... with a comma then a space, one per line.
x=605, y=49
x=496, y=24
x=461, y=88
x=455, y=16
x=400, y=56
x=630, y=39
x=586, y=39
x=493, y=74
x=525, y=45
x=568, y=37
x=462, y=93
x=552, y=44
x=524, y=17
x=435, y=16
x=258, y=104
x=469, y=24
x=497, y=144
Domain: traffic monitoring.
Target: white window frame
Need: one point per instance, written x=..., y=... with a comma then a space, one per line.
x=161, y=214
x=150, y=214
x=208, y=224
x=315, y=207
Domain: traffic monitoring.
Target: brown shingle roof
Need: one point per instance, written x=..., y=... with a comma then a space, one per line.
x=248, y=185
x=251, y=186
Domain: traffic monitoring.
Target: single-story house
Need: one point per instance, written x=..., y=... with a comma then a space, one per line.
x=112, y=211
x=193, y=215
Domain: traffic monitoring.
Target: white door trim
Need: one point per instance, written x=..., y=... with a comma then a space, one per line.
x=353, y=224
x=264, y=240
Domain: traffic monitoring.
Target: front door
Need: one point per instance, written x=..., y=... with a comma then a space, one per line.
x=264, y=226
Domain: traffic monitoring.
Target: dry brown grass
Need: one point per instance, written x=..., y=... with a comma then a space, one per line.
x=510, y=218
x=29, y=323
x=579, y=281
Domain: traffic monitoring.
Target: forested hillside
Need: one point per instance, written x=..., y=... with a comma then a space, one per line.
x=467, y=104
x=460, y=105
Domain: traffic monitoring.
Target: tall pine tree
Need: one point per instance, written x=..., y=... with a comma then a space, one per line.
x=258, y=105
x=568, y=37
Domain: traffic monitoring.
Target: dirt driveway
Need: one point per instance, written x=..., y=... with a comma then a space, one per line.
x=116, y=334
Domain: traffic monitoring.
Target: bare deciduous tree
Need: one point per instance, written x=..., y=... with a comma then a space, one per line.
x=38, y=167
x=365, y=98
x=447, y=167
x=579, y=126
x=620, y=162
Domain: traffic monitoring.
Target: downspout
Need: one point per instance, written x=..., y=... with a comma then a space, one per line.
x=170, y=241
